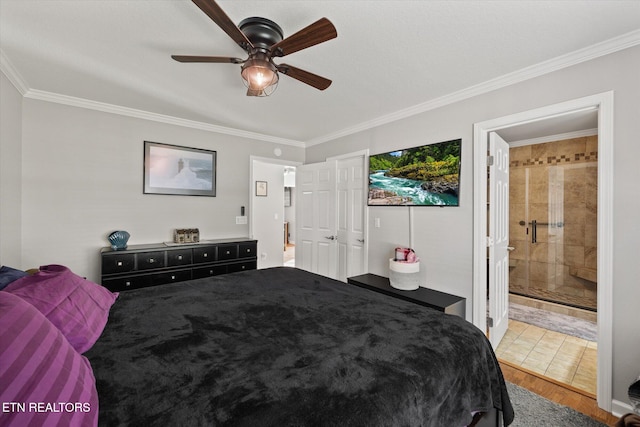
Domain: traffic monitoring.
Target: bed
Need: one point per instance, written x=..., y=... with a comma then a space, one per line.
x=285, y=347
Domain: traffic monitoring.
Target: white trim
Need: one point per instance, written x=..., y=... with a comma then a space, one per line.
x=591, y=52
x=619, y=408
x=7, y=67
x=146, y=115
x=252, y=160
x=360, y=153
x=586, y=54
x=557, y=137
x=604, y=103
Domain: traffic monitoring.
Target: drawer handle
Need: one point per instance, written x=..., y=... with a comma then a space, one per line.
x=127, y=284
x=119, y=264
x=248, y=250
x=180, y=257
x=228, y=252
x=211, y=272
x=151, y=260
x=173, y=277
x=243, y=267
x=205, y=255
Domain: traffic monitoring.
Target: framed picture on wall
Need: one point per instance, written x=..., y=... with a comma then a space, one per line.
x=183, y=171
x=261, y=188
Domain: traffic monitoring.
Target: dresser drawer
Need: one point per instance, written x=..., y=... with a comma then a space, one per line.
x=215, y=270
x=227, y=252
x=242, y=266
x=118, y=263
x=170, y=277
x=148, y=260
x=179, y=257
x=125, y=283
x=246, y=250
x=204, y=254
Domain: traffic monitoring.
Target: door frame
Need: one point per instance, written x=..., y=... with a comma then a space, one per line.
x=603, y=103
x=253, y=216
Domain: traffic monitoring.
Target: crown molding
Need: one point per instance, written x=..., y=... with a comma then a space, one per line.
x=146, y=115
x=600, y=49
x=551, y=138
x=7, y=68
x=582, y=55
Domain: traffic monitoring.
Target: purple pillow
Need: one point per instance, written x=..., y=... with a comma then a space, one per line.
x=76, y=306
x=44, y=381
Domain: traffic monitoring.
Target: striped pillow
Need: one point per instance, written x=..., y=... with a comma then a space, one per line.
x=43, y=380
x=76, y=306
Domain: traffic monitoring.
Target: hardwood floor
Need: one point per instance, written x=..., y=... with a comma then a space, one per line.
x=555, y=392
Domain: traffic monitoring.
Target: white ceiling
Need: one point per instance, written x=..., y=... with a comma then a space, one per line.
x=391, y=58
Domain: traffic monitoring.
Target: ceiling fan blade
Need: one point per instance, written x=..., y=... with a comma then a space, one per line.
x=216, y=59
x=304, y=76
x=217, y=15
x=318, y=32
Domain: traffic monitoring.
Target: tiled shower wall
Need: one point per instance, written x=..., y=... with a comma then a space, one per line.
x=555, y=183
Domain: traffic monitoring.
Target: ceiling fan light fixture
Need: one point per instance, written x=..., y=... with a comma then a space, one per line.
x=260, y=76
x=263, y=40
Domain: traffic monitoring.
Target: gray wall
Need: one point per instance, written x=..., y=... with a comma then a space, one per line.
x=82, y=179
x=443, y=236
x=10, y=173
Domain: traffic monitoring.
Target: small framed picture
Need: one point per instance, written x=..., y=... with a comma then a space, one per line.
x=261, y=188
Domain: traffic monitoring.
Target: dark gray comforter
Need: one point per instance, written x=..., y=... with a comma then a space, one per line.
x=284, y=347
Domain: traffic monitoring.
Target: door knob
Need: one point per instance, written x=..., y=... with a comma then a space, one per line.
x=330, y=237
x=360, y=240
x=511, y=248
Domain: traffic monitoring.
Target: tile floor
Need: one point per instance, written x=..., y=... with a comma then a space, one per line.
x=561, y=357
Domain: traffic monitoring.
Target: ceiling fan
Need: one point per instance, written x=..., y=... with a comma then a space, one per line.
x=263, y=40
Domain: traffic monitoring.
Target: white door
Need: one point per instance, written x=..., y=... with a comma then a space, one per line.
x=498, y=240
x=350, y=223
x=316, y=218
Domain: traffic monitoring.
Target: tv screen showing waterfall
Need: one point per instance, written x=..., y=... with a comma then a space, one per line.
x=428, y=175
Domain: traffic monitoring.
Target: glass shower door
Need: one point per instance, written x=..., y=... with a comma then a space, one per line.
x=553, y=205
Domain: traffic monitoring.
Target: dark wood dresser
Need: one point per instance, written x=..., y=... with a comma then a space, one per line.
x=139, y=266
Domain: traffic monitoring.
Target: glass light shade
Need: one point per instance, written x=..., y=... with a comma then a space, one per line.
x=260, y=77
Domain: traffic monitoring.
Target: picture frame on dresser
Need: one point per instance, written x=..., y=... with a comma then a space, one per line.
x=176, y=170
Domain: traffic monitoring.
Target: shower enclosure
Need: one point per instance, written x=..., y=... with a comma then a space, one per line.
x=553, y=221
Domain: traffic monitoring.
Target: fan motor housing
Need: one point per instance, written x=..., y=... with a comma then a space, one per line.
x=262, y=32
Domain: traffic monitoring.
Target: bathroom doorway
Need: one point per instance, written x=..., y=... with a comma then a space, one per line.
x=602, y=104
x=553, y=262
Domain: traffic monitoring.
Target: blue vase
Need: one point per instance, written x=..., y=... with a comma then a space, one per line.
x=119, y=239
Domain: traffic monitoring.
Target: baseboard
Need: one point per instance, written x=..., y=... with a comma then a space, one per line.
x=619, y=408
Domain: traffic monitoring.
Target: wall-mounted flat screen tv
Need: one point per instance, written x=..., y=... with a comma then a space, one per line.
x=428, y=175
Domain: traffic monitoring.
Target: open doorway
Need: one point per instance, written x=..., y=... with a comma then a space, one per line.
x=272, y=209
x=552, y=264
x=603, y=104
x=289, y=255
